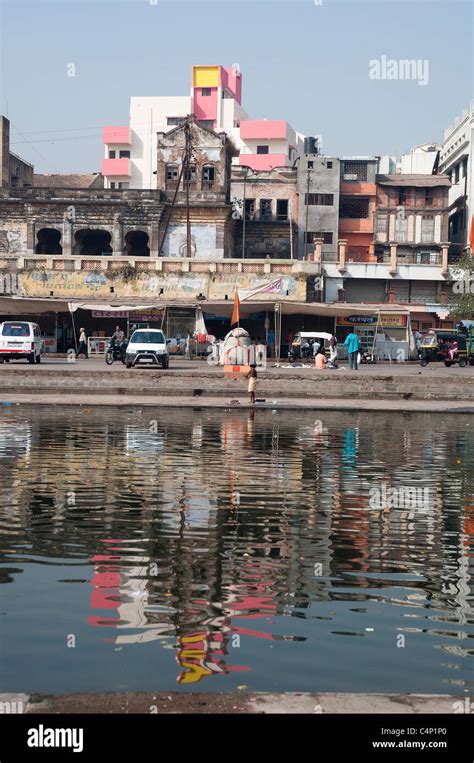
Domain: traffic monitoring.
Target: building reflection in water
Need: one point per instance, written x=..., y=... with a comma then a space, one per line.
x=212, y=528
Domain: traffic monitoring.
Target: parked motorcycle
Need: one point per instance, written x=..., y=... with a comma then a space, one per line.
x=115, y=351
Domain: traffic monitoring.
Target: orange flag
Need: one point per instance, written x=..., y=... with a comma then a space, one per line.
x=236, y=311
x=471, y=235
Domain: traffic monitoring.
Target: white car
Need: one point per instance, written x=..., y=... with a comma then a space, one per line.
x=147, y=347
x=20, y=339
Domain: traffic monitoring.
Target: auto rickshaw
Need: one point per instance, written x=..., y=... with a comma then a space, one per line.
x=466, y=329
x=434, y=347
x=304, y=342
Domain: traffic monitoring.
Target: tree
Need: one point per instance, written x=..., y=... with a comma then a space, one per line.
x=461, y=296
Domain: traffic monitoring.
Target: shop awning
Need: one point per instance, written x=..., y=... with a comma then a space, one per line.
x=32, y=306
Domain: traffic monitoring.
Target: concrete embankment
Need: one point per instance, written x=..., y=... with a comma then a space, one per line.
x=238, y=702
x=294, y=387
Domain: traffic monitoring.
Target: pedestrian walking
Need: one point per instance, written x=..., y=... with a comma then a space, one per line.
x=252, y=377
x=271, y=343
x=82, y=349
x=353, y=347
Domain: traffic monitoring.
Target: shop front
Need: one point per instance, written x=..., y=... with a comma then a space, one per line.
x=386, y=334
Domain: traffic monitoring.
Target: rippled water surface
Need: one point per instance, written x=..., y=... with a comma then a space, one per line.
x=207, y=550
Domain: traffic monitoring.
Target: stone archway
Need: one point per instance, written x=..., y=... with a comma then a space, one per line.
x=93, y=242
x=48, y=241
x=137, y=244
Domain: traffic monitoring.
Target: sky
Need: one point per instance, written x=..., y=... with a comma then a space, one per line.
x=305, y=61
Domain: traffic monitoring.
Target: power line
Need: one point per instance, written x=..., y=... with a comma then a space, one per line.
x=35, y=149
x=55, y=140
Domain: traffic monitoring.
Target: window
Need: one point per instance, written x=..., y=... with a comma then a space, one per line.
x=353, y=208
x=464, y=167
x=402, y=196
x=329, y=165
x=206, y=92
x=310, y=165
x=226, y=95
x=428, y=197
x=319, y=199
x=282, y=209
x=381, y=222
x=147, y=337
x=262, y=149
x=16, y=329
x=326, y=236
x=456, y=174
x=111, y=154
x=426, y=326
x=355, y=171
x=208, y=177
x=124, y=154
x=112, y=185
x=124, y=186
x=189, y=174
x=425, y=258
x=174, y=121
x=427, y=229
x=172, y=173
x=265, y=209
x=249, y=209
x=207, y=123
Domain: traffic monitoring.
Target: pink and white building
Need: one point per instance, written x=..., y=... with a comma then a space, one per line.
x=216, y=101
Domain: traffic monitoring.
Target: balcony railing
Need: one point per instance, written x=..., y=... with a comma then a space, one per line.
x=419, y=258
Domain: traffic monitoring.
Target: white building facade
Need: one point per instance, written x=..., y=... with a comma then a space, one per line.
x=130, y=153
x=456, y=161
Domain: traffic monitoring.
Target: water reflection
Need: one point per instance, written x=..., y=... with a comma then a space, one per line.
x=292, y=550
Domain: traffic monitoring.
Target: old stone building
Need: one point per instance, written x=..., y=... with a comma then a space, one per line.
x=207, y=180
x=87, y=223
x=270, y=224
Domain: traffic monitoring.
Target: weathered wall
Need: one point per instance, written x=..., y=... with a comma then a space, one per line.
x=176, y=286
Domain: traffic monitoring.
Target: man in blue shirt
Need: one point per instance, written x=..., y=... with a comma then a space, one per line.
x=353, y=347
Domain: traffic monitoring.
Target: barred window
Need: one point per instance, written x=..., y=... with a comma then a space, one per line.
x=427, y=229
x=354, y=208
x=319, y=199
x=359, y=169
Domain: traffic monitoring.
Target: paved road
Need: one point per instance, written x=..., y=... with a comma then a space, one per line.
x=194, y=366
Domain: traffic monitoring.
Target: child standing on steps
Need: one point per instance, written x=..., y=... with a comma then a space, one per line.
x=252, y=377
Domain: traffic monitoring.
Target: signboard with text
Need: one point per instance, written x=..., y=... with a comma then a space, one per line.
x=387, y=320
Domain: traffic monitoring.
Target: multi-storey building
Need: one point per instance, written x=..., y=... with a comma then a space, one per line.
x=205, y=183
x=420, y=160
x=318, y=205
x=456, y=160
x=215, y=101
x=357, y=206
x=269, y=228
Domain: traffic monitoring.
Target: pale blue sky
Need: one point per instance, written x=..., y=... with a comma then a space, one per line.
x=300, y=61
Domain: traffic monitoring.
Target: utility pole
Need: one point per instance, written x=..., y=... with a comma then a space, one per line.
x=188, y=152
x=243, y=217
x=307, y=215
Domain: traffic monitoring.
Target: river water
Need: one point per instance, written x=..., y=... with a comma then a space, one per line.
x=211, y=550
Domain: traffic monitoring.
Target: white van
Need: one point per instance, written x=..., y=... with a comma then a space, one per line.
x=20, y=339
x=147, y=347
